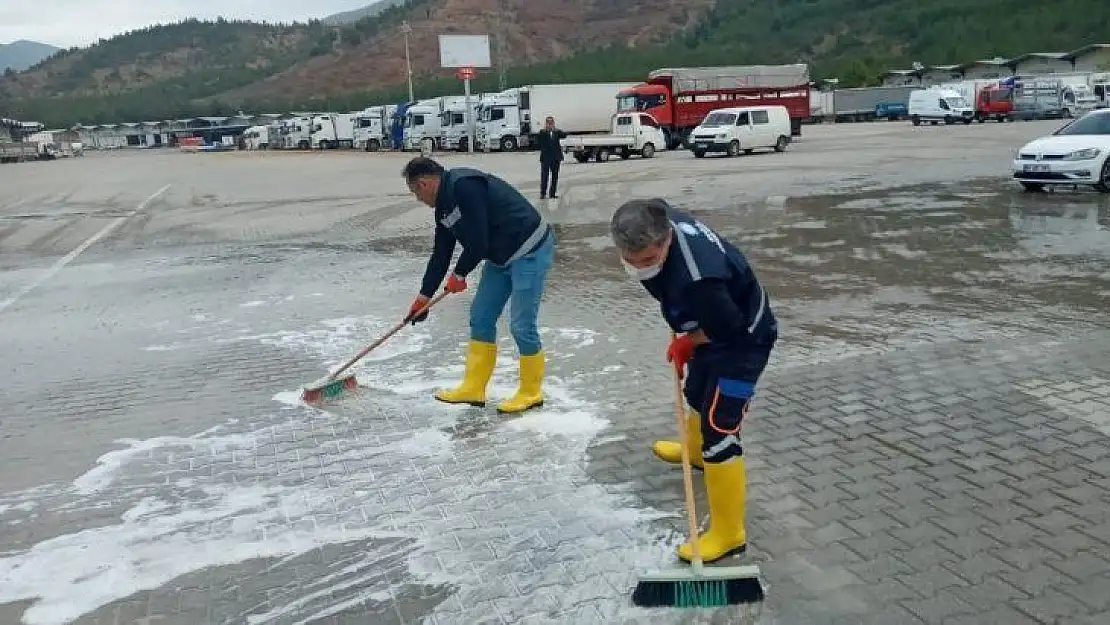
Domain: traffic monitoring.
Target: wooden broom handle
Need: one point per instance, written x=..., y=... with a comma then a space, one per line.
x=687, y=472
x=397, y=328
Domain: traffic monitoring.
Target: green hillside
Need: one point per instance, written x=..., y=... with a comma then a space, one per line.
x=854, y=40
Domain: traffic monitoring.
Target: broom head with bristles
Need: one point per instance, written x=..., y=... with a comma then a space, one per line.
x=328, y=388
x=706, y=587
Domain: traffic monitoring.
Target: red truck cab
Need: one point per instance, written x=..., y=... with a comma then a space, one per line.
x=994, y=102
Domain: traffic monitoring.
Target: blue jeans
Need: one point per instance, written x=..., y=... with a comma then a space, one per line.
x=522, y=281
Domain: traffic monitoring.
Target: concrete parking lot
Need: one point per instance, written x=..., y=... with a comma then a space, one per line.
x=930, y=445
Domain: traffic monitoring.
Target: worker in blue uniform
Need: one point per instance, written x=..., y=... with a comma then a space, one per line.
x=724, y=334
x=494, y=223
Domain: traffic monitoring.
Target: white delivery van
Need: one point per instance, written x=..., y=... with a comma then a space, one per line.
x=939, y=105
x=746, y=128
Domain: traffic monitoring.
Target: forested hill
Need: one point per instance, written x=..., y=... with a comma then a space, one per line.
x=197, y=68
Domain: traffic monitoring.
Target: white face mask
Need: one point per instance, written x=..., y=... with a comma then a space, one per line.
x=642, y=273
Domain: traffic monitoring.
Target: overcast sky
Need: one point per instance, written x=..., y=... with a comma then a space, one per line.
x=67, y=23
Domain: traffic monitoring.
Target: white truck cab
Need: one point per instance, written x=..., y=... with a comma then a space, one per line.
x=453, y=133
x=745, y=128
x=334, y=130
x=256, y=138
x=422, y=122
x=499, y=121
x=371, y=126
x=939, y=105
x=295, y=133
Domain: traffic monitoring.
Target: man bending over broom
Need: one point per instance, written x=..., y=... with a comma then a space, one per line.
x=495, y=223
x=725, y=332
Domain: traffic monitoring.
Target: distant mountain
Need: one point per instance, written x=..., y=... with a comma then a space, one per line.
x=370, y=10
x=19, y=55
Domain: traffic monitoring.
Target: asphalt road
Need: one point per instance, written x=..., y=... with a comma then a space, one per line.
x=930, y=443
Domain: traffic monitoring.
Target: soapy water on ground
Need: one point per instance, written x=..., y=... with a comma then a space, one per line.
x=388, y=469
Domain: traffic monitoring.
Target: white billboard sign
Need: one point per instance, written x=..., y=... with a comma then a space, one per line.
x=464, y=51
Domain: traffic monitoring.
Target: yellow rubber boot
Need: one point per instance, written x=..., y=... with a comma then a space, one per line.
x=726, y=484
x=480, y=359
x=671, y=451
x=530, y=392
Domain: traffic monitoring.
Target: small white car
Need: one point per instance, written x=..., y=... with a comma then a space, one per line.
x=1077, y=154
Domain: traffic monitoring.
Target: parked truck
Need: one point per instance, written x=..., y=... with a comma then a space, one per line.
x=1050, y=97
x=991, y=99
x=454, y=129
x=511, y=119
x=630, y=133
x=860, y=104
x=681, y=97
x=296, y=132
x=17, y=152
x=397, y=125
x=423, y=122
x=333, y=130
x=372, y=127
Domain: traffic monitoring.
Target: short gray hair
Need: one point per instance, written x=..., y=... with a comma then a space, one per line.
x=639, y=224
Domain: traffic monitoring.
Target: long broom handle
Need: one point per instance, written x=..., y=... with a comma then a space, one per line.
x=687, y=472
x=397, y=328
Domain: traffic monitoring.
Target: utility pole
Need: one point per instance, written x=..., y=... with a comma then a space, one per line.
x=407, y=30
x=500, y=38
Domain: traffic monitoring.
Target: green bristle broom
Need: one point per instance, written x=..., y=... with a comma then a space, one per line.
x=335, y=385
x=697, y=586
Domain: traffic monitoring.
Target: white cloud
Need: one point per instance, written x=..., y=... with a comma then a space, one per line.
x=67, y=23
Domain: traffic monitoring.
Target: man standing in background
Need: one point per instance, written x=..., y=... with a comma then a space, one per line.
x=551, y=156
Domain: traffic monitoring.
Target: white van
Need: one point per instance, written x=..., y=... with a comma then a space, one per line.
x=746, y=128
x=939, y=105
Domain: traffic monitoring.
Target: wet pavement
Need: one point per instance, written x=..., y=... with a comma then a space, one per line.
x=930, y=443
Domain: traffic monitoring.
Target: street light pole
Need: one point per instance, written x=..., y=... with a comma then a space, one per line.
x=407, y=30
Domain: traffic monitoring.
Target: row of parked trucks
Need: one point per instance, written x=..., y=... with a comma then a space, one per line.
x=1019, y=97
x=675, y=101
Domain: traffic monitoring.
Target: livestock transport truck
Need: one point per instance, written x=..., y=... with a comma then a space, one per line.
x=680, y=98
x=512, y=118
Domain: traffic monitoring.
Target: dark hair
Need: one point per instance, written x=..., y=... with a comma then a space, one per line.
x=421, y=166
x=638, y=224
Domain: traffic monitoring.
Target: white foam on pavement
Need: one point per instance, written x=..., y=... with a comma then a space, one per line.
x=409, y=476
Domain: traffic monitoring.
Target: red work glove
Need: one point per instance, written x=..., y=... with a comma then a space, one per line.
x=415, y=315
x=679, y=352
x=455, y=284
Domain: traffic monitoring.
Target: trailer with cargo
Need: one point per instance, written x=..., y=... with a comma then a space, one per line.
x=18, y=152
x=680, y=98
x=512, y=118
x=858, y=104
x=821, y=106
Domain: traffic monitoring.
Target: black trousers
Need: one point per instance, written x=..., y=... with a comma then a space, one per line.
x=549, y=170
x=720, y=384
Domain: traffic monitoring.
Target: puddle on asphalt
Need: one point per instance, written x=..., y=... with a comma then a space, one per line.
x=866, y=267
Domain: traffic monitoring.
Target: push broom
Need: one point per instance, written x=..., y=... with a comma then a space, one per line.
x=698, y=586
x=336, y=384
